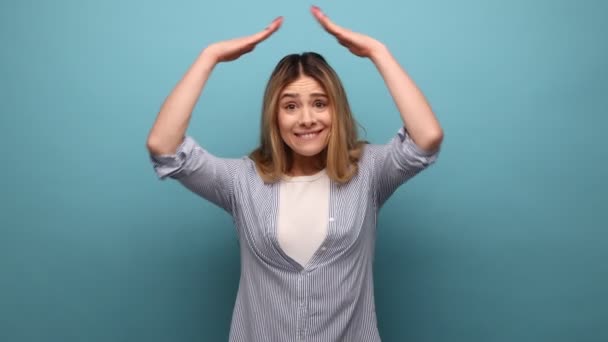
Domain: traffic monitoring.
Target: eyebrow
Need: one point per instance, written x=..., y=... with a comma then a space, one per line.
x=298, y=95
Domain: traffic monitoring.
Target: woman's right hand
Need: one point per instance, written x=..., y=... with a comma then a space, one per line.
x=232, y=49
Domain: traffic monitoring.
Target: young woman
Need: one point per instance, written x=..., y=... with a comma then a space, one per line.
x=305, y=202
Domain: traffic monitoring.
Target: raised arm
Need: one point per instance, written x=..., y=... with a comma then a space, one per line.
x=418, y=118
x=417, y=144
x=172, y=121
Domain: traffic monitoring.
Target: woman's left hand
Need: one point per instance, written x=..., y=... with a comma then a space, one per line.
x=357, y=43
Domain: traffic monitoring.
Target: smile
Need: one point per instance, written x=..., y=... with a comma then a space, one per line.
x=307, y=136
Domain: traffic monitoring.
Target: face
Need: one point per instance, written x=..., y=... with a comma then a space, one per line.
x=304, y=117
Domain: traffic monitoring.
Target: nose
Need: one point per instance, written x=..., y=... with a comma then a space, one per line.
x=307, y=117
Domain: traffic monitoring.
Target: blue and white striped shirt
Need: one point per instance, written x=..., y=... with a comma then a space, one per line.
x=332, y=297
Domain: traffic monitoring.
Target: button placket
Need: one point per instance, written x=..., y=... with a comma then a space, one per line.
x=302, y=305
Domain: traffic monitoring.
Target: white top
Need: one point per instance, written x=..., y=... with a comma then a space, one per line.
x=303, y=215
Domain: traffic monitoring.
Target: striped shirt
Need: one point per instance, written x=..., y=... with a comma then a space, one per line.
x=332, y=297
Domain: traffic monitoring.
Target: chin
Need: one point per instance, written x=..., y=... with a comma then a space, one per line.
x=308, y=150
x=308, y=153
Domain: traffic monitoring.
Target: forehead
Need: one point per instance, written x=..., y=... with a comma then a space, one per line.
x=303, y=85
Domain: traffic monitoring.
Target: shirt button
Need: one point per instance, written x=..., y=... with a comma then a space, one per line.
x=323, y=248
x=331, y=219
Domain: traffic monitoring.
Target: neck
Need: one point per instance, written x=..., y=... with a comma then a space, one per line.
x=305, y=166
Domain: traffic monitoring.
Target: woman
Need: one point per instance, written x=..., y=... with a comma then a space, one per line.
x=305, y=202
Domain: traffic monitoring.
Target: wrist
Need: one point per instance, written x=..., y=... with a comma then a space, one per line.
x=209, y=57
x=378, y=52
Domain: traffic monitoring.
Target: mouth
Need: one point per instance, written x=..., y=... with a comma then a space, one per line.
x=309, y=135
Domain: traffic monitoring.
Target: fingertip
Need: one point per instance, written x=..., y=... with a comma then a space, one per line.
x=317, y=10
x=275, y=24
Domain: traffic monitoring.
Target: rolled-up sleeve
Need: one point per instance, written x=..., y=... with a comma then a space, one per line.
x=397, y=162
x=201, y=172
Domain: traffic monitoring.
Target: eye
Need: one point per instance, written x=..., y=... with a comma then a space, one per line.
x=320, y=104
x=290, y=106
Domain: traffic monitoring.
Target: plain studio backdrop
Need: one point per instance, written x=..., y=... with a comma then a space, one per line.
x=504, y=239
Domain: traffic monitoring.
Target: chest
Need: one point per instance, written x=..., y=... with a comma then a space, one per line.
x=350, y=217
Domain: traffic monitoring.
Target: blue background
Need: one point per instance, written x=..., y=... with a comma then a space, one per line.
x=503, y=239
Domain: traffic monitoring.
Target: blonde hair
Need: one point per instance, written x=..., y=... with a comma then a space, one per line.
x=273, y=158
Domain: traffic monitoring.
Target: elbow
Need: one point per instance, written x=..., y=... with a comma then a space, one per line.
x=151, y=147
x=152, y=144
x=433, y=142
x=156, y=147
x=165, y=145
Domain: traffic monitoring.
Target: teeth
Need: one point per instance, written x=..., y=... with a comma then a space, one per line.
x=308, y=135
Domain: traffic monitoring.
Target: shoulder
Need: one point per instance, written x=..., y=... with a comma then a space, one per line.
x=370, y=153
x=248, y=172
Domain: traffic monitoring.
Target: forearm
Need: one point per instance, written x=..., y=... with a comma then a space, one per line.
x=417, y=115
x=172, y=121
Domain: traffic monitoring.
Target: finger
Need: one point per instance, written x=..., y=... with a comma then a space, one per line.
x=268, y=31
x=327, y=24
